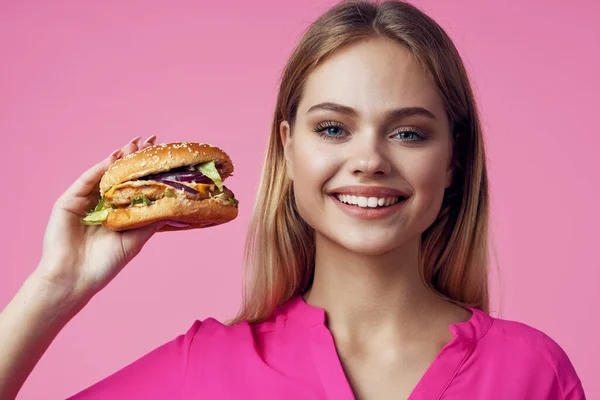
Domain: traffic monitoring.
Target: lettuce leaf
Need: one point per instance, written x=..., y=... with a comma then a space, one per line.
x=96, y=218
x=226, y=200
x=98, y=214
x=141, y=199
x=99, y=206
x=210, y=171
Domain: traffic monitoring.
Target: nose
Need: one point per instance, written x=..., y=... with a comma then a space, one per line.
x=369, y=158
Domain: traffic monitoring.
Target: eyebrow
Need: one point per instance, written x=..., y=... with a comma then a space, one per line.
x=392, y=114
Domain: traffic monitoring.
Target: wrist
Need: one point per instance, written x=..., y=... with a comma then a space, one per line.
x=59, y=300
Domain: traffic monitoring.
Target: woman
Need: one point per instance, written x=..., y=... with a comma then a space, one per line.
x=368, y=244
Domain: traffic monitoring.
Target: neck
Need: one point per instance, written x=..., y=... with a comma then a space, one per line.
x=363, y=294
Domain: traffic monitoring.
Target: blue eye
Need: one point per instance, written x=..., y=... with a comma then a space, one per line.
x=406, y=133
x=411, y=135
x=329, y=130
x=333, y=131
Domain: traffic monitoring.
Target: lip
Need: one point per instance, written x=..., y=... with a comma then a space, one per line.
x=368, y=191
x=368, y=213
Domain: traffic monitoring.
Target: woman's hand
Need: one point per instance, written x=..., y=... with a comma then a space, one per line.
x=79, y=260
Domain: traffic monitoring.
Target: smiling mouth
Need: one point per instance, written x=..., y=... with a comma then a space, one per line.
x=368, y=202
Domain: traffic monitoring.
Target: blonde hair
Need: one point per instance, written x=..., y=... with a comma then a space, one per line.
x=280, y=247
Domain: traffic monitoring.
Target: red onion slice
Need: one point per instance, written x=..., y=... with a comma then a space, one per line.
x=181, y=186
x=181, y=176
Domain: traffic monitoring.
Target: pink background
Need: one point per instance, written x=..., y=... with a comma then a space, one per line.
x=78, y=80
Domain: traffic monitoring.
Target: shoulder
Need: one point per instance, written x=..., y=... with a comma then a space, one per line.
x=520, y=336
x=218, y=336
x=161, y=372
x=532, y=351
x=212, y=329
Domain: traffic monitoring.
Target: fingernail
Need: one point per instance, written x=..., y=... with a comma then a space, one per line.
x=151, y=139
x=136, y=140
x=178, y=224
x=115, y=153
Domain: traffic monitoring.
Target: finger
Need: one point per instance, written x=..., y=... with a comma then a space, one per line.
x=116, y=153
x=136, y=140
x=132, y=146
x=175, y=224
x=148, y=142
x=88, y=181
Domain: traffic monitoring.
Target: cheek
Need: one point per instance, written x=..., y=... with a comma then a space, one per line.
x=427, y=176
x=312, y=169
x=313, y=165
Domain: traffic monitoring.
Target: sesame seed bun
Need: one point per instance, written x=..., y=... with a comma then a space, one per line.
x=197, y=214
x=164, y=157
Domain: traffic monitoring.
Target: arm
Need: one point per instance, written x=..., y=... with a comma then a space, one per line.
x=77, y=262
x=28, y=325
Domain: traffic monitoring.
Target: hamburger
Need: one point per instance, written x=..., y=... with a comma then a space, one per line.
x=177, y=182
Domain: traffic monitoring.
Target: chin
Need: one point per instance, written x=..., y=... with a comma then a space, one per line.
x=369, y=245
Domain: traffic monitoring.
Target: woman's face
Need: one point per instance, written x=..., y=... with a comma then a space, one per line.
x=370, y=151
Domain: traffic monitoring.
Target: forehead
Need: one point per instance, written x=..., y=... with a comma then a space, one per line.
x=371, y=76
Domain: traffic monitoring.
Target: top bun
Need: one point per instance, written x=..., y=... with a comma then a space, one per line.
x=164, y=157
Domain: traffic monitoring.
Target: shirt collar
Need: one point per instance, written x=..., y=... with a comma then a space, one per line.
x=299, y=312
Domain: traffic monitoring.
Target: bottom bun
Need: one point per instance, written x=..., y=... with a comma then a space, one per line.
x=193, y=213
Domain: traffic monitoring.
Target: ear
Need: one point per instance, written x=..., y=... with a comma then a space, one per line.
x=285, y=134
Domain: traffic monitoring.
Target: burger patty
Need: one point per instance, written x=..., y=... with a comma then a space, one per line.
x=124, y=193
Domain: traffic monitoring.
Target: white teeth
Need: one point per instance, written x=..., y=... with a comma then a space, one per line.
x=371, y=202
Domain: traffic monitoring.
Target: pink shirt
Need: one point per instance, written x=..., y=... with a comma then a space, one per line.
x=292, y=356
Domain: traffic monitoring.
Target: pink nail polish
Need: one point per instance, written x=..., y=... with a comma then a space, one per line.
x=136, y=140
x=151, y=139
x=115, y=153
